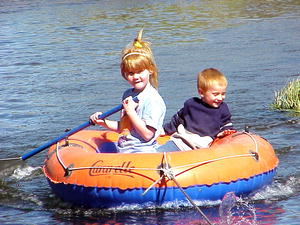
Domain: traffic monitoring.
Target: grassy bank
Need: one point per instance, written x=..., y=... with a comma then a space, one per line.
x=288, y=98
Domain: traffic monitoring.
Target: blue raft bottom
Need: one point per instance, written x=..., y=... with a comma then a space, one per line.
x=98, y=197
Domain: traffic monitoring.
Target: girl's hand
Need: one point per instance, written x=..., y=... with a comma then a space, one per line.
x=95, y=120
x=146, y=132
x=129, y=105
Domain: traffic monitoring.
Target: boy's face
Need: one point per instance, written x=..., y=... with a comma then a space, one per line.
x=214, y=96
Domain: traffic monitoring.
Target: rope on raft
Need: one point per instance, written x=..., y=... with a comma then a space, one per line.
x=252, y=154
x=141, y=168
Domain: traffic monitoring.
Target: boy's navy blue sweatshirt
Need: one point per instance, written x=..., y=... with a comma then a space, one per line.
x=198, y=117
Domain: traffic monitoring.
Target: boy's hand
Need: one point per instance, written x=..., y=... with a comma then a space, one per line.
x=225, y=133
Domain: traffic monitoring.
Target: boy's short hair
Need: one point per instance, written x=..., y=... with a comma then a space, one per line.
x=208, y=77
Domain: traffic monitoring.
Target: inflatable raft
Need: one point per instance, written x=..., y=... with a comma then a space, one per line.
x=79, y=173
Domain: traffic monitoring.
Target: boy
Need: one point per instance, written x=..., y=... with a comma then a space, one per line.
x=201, y=119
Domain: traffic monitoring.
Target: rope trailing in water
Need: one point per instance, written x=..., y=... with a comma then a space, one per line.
x=168, y=172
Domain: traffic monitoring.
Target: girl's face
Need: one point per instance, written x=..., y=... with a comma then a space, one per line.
x=214, y=96
x=138, y=79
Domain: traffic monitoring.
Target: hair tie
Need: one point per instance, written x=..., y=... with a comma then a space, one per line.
x=137, y=44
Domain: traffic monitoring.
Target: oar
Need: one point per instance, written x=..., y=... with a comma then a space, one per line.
x=9, y=161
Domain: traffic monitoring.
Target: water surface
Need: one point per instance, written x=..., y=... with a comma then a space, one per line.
x=60, y=63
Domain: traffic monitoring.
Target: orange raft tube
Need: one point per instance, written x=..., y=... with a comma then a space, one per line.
x=78, y=173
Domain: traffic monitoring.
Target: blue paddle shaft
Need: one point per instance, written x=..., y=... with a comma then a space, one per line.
x=73, y=131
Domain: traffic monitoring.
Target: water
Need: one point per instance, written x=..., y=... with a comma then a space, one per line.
x=59, y=63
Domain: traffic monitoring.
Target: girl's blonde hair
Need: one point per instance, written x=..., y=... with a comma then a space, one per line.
x=209, y=77
x=138, y=56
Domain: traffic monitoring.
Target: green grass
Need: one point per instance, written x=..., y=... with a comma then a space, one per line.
x=288, y=98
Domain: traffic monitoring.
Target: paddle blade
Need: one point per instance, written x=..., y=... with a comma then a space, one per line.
x=10, y=164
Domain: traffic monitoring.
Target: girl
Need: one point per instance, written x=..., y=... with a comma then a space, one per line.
x=140, y=123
